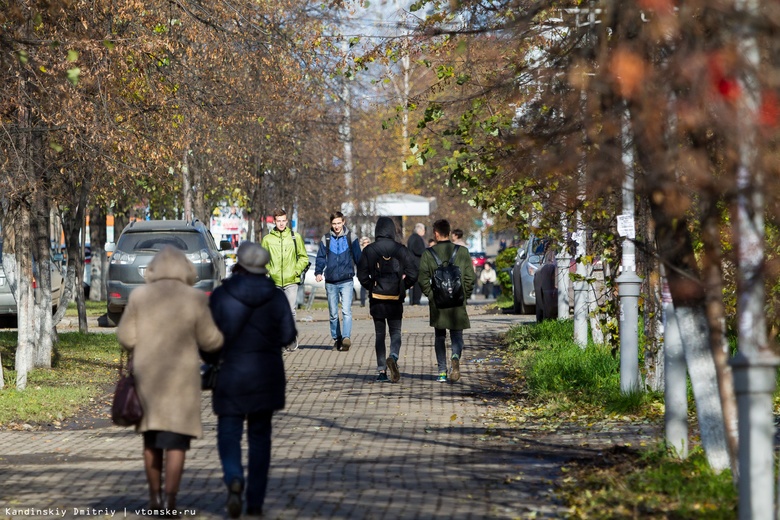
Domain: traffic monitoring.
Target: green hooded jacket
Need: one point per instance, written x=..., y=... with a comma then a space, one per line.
x=456, y=318
x=285, y=267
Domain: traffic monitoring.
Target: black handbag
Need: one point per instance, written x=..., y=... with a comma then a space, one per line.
x=126, y=409
x=208, y=375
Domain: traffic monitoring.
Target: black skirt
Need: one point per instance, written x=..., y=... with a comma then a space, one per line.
x=166, y=440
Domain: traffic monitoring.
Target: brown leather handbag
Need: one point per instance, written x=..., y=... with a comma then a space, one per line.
x=126, y=409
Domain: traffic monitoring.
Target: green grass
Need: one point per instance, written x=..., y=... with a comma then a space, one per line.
x=83, y=367
x=654, y=485
x=557, y=369
x=560, y=377
x=94, y=309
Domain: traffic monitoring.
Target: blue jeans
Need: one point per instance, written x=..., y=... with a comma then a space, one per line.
x=395, y=341
x=230, y=428
x=439, y=344
x=342, y=291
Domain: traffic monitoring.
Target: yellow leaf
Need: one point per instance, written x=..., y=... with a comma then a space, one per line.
x=453, y=417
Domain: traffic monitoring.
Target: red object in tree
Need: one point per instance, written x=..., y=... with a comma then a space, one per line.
x=769, y=111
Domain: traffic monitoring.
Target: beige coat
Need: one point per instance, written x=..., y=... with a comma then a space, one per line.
x=163, y=325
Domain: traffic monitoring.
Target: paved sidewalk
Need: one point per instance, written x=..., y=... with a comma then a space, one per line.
x=345, y=446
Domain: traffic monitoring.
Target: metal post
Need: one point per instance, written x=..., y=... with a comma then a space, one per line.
x=754, y=384
x=563, y=286
x=628, y=293
x=628, y=282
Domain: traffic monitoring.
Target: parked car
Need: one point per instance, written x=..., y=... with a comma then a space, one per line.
x=527, y=262
x=8, y=307
x=310, y=282
x=478, y=259
x=141, y=240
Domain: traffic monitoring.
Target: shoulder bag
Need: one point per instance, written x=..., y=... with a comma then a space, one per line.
x=126, y=409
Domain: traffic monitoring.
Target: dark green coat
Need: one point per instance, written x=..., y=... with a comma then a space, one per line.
x=456, y=318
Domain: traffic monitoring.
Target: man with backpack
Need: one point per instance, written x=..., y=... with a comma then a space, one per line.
x=387, y=269
x=289, y=260
x=336, y=258
x=447, y=278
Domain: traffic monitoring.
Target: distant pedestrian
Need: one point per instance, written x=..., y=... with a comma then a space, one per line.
x=416, y=245
x=488, y=280
x=288, y=260
x=454, y=319
x=457, y=238
x=364, y=241
x=164, y=324
x=257, y=322
x=387, y=269
x=336, y=259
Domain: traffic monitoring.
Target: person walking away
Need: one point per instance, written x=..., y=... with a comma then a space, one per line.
x=257, y=322
x=488, y=280
x=164, y=325
x=457, y=238
x=455, y=319
x=416, y=244
x=288, y=260
x=364, y=241
x=337, y=257
x=387, y=269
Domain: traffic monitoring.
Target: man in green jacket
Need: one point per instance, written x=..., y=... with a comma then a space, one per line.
x=288, y=259
x=456, y=319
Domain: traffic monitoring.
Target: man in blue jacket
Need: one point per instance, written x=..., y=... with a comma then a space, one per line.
x=337, y=257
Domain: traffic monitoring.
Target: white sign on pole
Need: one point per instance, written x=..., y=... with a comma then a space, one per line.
x=625, y=226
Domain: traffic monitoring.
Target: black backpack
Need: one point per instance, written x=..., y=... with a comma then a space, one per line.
x=446, y=283
x=308, y=265
x=388, y=277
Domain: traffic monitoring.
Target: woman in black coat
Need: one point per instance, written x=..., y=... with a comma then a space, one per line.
x=256, y=320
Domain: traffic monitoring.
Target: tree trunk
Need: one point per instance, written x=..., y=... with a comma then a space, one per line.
x=186, y=185
x=676, y=250
x=199, y=202
x=98, y=237
x=25, y=298
x=42, y=252
x=712, y=272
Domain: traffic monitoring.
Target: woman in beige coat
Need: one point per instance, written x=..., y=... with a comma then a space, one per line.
x=164, y=324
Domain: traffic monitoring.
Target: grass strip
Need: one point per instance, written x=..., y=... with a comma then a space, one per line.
x=84, y=367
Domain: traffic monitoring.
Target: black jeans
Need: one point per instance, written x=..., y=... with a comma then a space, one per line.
x=395, y=340
x=415, y=294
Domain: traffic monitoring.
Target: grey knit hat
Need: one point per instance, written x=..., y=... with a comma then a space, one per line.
x=253, y=257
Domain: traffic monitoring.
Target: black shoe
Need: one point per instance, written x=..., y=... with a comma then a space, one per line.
x=254, y=511
x=392, y=367
x=455, y=372
x=382, y=377
x=337, y=345
x=234, y=504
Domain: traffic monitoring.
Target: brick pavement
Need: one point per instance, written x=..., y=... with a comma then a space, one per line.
x=345, y=446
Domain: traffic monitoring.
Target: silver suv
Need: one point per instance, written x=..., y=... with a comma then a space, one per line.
x=141, y=240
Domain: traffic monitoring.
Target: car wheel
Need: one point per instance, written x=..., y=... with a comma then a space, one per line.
x=519, y=308
x=113, y=318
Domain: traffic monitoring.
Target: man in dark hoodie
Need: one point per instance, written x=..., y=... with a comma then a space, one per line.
x=387, y=269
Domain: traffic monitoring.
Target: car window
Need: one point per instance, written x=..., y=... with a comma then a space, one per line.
x=187, y=242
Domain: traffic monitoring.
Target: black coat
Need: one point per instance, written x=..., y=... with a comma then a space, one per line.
x=386, y=246
x=257, y=322
x=416, y=245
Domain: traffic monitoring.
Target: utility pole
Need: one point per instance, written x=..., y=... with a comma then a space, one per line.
x=628, y=282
